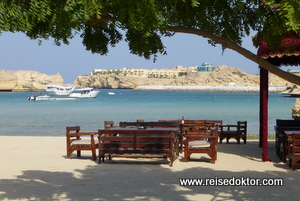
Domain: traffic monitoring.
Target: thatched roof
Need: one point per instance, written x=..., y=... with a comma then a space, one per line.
x=287, y=54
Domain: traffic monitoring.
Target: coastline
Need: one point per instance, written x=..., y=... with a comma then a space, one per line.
x=213, y=89
x=44, y=173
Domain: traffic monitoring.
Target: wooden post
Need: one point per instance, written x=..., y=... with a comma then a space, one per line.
x=264, y=96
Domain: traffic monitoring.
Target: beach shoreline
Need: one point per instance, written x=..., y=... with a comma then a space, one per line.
x=213, y=89
x=36, y=168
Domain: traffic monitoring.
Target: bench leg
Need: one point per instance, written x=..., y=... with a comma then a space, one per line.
x=78, y=153
x=94, y=154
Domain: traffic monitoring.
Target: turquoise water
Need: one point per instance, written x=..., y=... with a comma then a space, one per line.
x=49, y=118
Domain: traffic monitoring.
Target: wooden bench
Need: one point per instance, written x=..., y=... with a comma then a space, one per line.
x=193, y=125
x=201, y=143
x=157, y=124
x=137, y=143
x=80, y=141
x=238, y=131
x=294, y=150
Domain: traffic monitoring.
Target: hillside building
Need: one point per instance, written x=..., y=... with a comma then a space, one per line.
x=205, y=67
x=155, y=73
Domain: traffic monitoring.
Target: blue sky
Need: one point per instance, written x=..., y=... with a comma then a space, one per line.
x=20, y=53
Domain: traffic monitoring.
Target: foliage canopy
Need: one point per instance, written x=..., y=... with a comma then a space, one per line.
x=104, y=23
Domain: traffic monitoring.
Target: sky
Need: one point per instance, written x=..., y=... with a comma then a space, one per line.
x=20, y=53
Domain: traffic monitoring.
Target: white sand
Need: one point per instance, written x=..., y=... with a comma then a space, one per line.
x=35, y=168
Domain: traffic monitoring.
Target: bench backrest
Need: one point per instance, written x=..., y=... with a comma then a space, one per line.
x=296, y=143
x=109, y=124
x=136, y=139
x=186, y=121
x=286, y=125
x=216, y=122
x=149, y=124
x=242, y=127
x=287, y=122
x=72, y=129
x=178, y=121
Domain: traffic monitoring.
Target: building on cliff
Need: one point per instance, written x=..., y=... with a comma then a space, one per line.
x=155, y=73
x=147, y=73
x=205, y=67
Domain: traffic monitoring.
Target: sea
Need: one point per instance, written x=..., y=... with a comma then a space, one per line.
x=21, y=117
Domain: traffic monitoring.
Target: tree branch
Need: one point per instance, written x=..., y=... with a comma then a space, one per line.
x=246, y=53
x=231, y=45
x=270, y=5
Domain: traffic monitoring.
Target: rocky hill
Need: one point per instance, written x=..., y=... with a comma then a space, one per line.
x=221, y=76
x=24, y=80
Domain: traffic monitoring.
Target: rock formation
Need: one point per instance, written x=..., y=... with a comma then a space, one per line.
x=221, y=76
x=293, y=90
x=24, y=80
x=296, y=109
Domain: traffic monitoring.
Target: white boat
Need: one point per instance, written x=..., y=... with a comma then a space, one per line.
x=57, y=90
x=33, y=97
x=84, y=93
x=111, y=93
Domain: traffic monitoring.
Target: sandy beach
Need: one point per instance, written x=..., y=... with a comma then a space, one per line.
x=35, y=168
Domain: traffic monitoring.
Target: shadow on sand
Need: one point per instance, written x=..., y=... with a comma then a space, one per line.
x=120, y=180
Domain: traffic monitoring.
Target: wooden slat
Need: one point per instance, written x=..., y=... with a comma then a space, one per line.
x=141, y=142
x=139, y=156
x=149, y=124
x=116, y=144
x=153, y=138
x=115, y=138
x=153, y=145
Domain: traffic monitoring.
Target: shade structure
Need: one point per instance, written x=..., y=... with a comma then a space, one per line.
x=288, y=53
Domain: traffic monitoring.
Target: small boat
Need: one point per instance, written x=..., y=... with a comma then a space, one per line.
x=33, y=97
x=84, y=93
x=111, y=93
x=57, y=90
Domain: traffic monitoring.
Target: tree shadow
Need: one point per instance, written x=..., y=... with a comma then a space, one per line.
x=252, y=151
x=143, y=181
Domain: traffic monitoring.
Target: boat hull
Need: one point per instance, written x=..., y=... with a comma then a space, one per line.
x=91, y=94
x=36, y=98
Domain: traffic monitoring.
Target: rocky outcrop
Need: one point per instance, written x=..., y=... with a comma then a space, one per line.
x=296, y=109
x=24, y=80
x=221, y=76
x=293, y=90
x=118, y=82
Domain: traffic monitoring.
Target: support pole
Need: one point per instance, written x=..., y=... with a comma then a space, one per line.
x=264, y=96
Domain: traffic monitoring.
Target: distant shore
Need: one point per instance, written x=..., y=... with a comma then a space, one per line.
x=216, y=89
